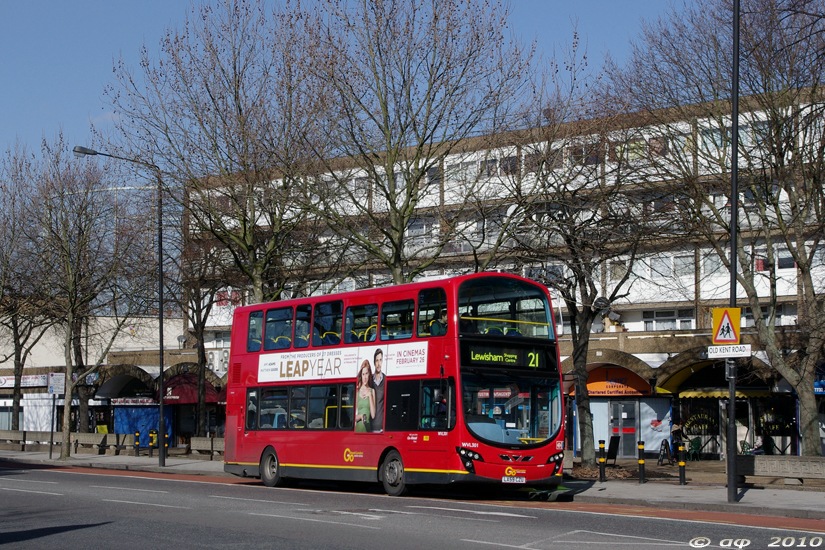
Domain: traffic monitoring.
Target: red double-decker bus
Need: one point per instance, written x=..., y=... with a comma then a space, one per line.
x=450, y=380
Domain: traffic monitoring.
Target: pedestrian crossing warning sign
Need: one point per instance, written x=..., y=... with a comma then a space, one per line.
x=726, y=325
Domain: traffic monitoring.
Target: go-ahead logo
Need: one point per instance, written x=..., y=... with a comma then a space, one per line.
x=350, y=455
x=510, y=471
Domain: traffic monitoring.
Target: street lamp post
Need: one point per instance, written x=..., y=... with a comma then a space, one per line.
x=85, y=151
x=730, y=365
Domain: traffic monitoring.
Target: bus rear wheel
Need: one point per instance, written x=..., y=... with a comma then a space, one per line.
x=270, y=469
x=392, y=474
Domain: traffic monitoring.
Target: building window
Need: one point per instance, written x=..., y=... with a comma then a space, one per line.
x=509, y=166
x=712, y=265
x=434, y=175
x=661, y=267
x=544, y=161
x=222, y=339
x=754, y=137
x=587, y=154
x=361, y=188
x=462, y=171
x=658, y=146
x=748, y=320
x=714, y=142
x=669, y=319
x=489, y=167
x=785, y=261
x=618, y=269
x=683, y=265
x=633, y=151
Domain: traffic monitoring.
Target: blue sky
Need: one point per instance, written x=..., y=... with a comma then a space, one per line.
x=57, y=55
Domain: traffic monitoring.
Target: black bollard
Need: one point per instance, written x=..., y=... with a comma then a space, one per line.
x=641, y=461
x=681, y=452
x=602, y=461
x=137, y=443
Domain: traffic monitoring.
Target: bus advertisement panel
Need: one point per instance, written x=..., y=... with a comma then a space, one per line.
x=326, y=364
x=453, y=380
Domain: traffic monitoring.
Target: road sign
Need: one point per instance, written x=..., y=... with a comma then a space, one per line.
x=723, y=352
x=726, y=323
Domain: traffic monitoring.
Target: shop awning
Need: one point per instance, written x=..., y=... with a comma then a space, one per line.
x=183, y=390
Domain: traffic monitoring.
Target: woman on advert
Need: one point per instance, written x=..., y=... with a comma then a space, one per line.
x=365, y=403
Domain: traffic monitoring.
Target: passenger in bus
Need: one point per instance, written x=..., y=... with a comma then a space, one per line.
x=439, y=326
x=251, y=412
x=365, y=402
x=440, y=408
x=378, y=384
x=467, y=326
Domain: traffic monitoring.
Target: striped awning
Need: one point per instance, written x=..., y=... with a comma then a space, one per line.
x=722, y=393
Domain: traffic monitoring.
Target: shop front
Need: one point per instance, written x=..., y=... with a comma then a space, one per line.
x=624, y=405
x=181, y=397
x=766, y=416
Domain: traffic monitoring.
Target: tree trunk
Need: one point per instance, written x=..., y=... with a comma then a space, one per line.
x=808, y=416
x=65, y=450
x=581, y=344
x=18, y=376
x=84, y=394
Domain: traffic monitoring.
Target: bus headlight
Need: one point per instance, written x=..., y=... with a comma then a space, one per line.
x=557, y=461
x=468, y=458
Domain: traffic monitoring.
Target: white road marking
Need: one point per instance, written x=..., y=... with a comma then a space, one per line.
x=146, y=504
x=480, y=513
x=360, y=526
x=126, y=489
x=35, y=492
x=260, y=500
x=29, y=481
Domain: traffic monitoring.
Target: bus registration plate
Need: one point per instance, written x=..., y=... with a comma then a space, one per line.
x=513, y=479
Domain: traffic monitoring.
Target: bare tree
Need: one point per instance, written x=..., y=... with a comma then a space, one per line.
x=410, y=82
x=680, y=77
x=97, y=265
x=583, y=232
x=225, y=111
x=24, y=301
x=202, y=279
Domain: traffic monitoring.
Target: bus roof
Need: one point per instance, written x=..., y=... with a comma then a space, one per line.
x=450, y=281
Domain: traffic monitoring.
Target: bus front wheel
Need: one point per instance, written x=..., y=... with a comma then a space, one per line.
x=270, y=469
x=392, y=475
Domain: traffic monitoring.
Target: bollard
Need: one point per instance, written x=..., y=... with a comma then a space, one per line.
x=681, y=452
x=166, y=443
x=641, y=461
x=602, y=461
x=137, y=443
x=153, y=442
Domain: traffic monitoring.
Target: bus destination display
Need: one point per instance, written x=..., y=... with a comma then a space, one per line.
x=497, y=356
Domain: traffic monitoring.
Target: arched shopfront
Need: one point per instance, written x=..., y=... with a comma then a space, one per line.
x=766, y=409
x=631, y=400
x=624, y=402
x=133, y=401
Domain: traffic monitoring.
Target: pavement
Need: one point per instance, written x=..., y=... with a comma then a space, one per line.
x=705, y=488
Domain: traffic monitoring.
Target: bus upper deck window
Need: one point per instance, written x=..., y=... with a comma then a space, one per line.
x=255, y=331
x=431, y=303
